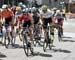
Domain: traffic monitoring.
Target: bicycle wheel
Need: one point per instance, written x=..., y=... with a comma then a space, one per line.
x=45, y=45
x=50, y=47
x=59, y=34
x=25, y=45
x=6, y=41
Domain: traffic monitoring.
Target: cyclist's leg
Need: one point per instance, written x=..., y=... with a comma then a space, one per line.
x=30, y=31
x=9, y=29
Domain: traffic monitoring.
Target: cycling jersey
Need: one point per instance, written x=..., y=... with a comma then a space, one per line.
x=7, y=13
x=25, y=18
x=59, y=15
x=46, y=17
x=36, y=18
x=48, y=14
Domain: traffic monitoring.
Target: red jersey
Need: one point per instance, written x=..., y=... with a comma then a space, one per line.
x=25, y=17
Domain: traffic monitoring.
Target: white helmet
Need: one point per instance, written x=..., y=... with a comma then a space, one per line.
x=4, y=6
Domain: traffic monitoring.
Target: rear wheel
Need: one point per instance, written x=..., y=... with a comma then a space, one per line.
x=60, y=35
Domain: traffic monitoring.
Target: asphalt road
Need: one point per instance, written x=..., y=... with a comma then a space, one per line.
x=64, y=50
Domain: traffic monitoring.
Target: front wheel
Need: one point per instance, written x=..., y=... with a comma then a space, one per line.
x=25, y=47
x=45, y=46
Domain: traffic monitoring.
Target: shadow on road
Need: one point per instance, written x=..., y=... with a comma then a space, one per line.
x=0, y=59
x=68, y=40
x=61, y=50
x=42, y=54
x=66, y=37
x=2, y=55
x=18, y=46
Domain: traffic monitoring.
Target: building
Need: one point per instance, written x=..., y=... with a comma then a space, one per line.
x=69, y=5
x=12, y=2
x=60, y=4
x=1, y=2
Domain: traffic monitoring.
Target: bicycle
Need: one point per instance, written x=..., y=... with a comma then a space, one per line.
x=60, y=32
x=26, y=43
x=58, y=26
x=37, y=33
x=47, y=41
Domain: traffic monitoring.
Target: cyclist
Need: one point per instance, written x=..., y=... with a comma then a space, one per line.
x=36, y=15
x=59, y=17
x=17, y=14
x=26, y=19
x=13, y=8
x=36, y=20
x=47, y=17
x=64, y=13
x=54, y=10
x=8, y=15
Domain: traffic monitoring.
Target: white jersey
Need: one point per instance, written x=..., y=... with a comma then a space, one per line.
x=48, y=14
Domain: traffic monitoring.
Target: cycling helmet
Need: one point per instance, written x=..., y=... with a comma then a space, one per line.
x=25, y=11
x=44, y=8
x=20, y=4
x=18, y=8
x=34, y=9
x=4, y=6
x=23, y=6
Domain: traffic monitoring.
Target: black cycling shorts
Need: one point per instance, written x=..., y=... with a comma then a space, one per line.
x=27, y=23
x=8, y=20
x=46, y=21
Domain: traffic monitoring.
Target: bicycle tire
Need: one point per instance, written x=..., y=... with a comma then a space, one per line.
x=25, y=46
x=45, y=45
x=59, y=35
x=50, y=47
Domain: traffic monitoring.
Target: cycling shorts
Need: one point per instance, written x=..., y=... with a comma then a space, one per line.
x=46, y=21
x=60, y=21
x=27, y=23
x=8, y=20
